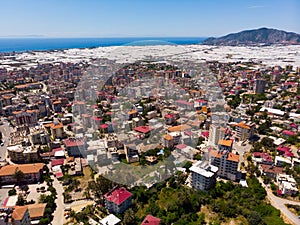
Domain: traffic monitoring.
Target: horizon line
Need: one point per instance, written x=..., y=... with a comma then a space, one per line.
x=142, y=36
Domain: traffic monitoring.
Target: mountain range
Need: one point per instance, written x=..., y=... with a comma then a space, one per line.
x=261, y=36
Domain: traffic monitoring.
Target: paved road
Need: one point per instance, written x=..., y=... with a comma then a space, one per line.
x=58, y=218
x=279, y=203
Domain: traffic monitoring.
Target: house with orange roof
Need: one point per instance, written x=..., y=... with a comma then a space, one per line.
x=20, y=216
x=179, y=128
x=57, y=130
x=168, y=141
x=225, y=145
x=132, y=114
x=31, y=173
x=36, y=211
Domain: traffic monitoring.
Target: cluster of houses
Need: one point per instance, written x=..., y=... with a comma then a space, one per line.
x=52, y=126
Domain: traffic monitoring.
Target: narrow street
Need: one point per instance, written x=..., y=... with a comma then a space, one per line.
x=58, y=218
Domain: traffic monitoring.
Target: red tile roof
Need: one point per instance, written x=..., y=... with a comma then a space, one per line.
x=57, y=149
x=184, y=102
x=143, y=129
x=170, y=115
x=181, y=146
x=103, y=126
x=263, y=155
x=57, y=162
x=289, y=133
x=150, y=220
x=118, y=196
x=205, y=133
x=97, y=118
x=59, y=175
x=271, y=169
x=74, y=142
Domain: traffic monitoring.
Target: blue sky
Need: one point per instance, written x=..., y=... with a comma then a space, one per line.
x=120, y=18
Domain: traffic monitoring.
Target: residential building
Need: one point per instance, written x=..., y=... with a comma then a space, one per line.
x=287, y=184
x=57, y=106
x=118, y=200
x=136, y=122
x=20, y=154
x=36, y=211
x=75, y=146
x=226, y=161
x=57, y=130
x=270, y=170
x=111, y=219
x=203, y=175
x=19, y=215
x=131, y=153
x=168, y=141
x=151, y=220
x=176, y=136
x=259, y=86
x=216, y=133
x=243, y=131
x=281, y=161
x=111, y=140
x=32, y=173
x=184, y=104
x=225, y=145
x=25, y=117
x=170, y=119
x=38, y=135
x=132, y=114
x=185, y=151
x=262, y=157
x=143, y=130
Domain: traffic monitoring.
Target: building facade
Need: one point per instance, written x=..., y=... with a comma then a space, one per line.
x=32, y=173
x=203, y=175
x=118, y=200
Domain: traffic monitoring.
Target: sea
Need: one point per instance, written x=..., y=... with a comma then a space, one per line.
x=45, y=44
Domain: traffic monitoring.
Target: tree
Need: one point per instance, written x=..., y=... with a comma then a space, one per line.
x=87, y=193
x=254, y=218
x=130, y=217
x=18, y=175
x=24, y=188
x=12, y=192
x=42, y=198
x=67, y=197
x=44, y=221
x=21, y=200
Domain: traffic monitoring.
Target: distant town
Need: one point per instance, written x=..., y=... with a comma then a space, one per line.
x=211, y=140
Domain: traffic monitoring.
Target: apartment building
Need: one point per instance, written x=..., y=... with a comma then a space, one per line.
x=203, y=175
x=244, y=131
x=118, y=200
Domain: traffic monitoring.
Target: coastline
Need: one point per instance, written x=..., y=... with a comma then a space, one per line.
x=19, y=45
